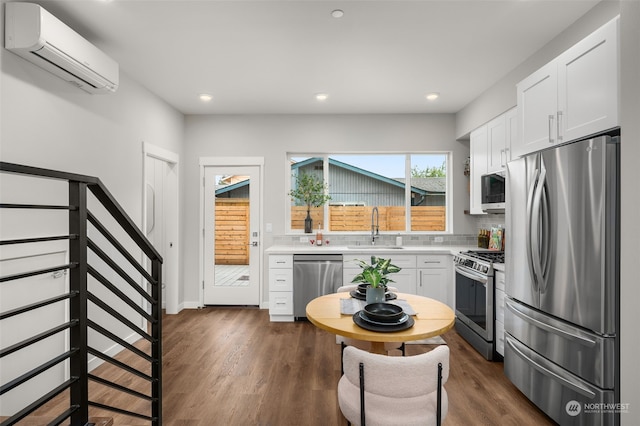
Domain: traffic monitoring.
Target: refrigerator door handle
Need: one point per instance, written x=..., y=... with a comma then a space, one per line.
x=549, y=373
x=529, y=232
x=534, y=230
x=547, y=327
x=544, y=248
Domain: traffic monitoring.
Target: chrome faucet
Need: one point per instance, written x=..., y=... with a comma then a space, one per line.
x=375, y=226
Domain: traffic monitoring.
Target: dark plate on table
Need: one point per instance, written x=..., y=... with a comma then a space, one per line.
x=357, y=295
x=383, y=312
x=387, y=328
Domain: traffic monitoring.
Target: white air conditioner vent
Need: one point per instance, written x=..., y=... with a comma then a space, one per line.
x=40, y=37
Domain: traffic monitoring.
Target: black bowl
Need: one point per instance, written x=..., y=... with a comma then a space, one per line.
x=383, y=312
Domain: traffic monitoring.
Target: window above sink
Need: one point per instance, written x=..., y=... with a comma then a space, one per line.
x=359, y=182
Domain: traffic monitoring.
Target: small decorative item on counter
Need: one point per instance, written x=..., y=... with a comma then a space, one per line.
x=495, y=242
x=483, y=238
x=319, y=235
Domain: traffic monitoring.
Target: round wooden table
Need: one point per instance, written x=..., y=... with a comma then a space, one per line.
x=432, y=318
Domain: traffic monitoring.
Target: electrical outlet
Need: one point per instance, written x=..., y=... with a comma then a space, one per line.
x=438, y=239
x=304, y=239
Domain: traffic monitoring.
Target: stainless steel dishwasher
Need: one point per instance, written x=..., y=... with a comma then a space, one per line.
x=314, y=275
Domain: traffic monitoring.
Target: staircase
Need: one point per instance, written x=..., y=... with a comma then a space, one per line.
x=110, y=297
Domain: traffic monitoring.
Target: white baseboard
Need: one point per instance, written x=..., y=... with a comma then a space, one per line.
x=112, y=351
x=196, y=305
x=190, y=305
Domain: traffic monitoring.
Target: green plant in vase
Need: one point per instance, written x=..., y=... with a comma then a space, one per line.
x=309, y=190
x=376, y=275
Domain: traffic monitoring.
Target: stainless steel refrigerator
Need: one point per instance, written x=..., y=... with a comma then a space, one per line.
x=562, y=280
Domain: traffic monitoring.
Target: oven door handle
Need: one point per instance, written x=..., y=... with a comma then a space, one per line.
x=471, y=275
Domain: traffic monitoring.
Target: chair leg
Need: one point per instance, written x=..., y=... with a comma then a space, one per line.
x=439, y=396
x=362, y=417
x=342, y=346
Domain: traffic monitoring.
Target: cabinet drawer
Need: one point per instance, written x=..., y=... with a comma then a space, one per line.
x=500, y=338
x=429, y=261
x=280, y=261
x=402, y=261
x=281, y=303
x=280, y=279
x=500, y=305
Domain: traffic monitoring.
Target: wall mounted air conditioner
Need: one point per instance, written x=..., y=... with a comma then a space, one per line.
x=40, y=37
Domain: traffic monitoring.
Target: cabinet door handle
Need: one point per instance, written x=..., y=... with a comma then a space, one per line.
x=502, y=157
x=420, y=278
x=551, y=117
x=559, y=126
x=506, y=157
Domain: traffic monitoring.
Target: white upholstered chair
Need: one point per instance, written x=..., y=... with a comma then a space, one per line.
x=396, y=390
x=362, y=344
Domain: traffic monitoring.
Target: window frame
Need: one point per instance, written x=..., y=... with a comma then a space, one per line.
x=325, y=174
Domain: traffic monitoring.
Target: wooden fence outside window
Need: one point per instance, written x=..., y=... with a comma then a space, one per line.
x=232, y=223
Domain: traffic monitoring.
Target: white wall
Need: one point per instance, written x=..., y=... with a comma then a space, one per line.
x=630, y=200
x=46, y=122
x=272, y=136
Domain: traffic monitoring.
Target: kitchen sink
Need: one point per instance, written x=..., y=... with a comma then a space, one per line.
x=365, y=247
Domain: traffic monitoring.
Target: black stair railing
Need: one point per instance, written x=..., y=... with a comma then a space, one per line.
x=145, y=282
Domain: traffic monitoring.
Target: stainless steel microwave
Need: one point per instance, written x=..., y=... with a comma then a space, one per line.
x=492, y=192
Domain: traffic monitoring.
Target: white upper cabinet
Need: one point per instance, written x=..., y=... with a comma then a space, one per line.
x=479, y=148
x=511, y=120
x=497, y=143
x=588, y=85
x=571, y=97
x=537, y=106
x=490, y=149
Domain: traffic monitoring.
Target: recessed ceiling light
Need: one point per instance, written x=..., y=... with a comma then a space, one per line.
x=337, y=13
x=432, y=96
x=321, y=96
x=205, y=97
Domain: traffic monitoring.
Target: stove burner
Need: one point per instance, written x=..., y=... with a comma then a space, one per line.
x=490, y=256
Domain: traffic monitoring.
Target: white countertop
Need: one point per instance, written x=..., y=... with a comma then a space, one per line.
x=330, y=249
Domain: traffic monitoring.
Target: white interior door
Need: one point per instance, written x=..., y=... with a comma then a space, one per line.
x=231, y=235
x=160, y=218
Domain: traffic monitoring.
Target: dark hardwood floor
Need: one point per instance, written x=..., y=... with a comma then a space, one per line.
x=231, y=366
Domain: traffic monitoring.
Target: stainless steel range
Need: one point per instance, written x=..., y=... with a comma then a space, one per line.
x=475, y=296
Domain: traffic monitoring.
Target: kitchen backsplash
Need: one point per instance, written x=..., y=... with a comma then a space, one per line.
x=383, y=240
x=482, y=222
x=488, y=221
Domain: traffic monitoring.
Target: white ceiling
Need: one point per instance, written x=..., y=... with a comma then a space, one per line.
x=273, y=56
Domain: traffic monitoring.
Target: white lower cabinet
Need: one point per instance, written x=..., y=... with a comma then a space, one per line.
x=434, y=277
x=425, y=275
x=405, y=281
x=281, y=287
x=500, y=297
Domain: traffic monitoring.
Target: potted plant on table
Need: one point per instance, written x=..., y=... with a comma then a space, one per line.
x=376, y=276
x=309, y=190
